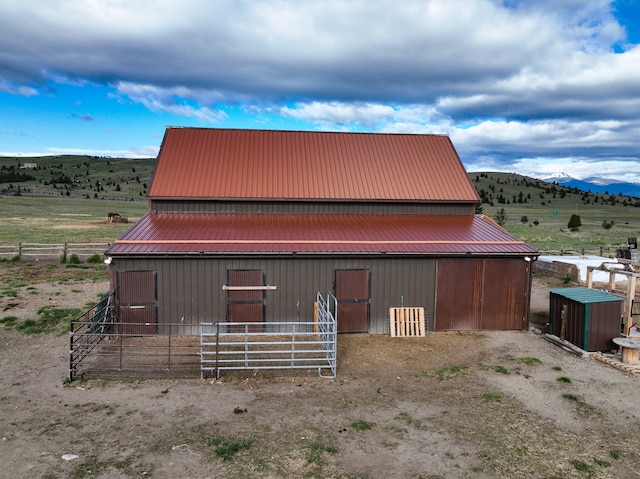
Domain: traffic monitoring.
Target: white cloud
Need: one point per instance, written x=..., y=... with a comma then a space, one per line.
x=11, y=88
x=169, y=100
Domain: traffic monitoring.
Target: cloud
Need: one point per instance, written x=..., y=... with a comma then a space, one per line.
x=169, y=100
x=85, y=117
x=23, y=90
x=510, y=81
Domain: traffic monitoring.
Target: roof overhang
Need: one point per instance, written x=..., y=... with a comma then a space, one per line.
x=228, y=234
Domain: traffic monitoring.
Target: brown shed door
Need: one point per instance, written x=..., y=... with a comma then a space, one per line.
x=245, y=306
x=352, y=293
x=137, y=302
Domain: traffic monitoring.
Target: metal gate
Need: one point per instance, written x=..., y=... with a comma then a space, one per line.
x=292, y=345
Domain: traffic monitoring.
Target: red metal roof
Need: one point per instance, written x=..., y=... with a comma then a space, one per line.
x=305, y=165
x=228, y=233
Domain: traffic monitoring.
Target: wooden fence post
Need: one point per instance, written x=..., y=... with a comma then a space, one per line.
x=19, y=251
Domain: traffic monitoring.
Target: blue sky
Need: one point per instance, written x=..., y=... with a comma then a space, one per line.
x=537, y=87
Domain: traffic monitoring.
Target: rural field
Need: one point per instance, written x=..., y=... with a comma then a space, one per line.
x=451, y=405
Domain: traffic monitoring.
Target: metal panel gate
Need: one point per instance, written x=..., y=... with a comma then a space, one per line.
x=295, y=345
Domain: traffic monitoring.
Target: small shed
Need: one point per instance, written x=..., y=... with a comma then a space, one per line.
x=587, y=318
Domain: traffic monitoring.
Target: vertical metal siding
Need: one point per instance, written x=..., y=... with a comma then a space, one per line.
x=604, y=325
x=304, y=207
x=190, y=290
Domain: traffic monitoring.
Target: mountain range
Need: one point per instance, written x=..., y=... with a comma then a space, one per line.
x=596, y=184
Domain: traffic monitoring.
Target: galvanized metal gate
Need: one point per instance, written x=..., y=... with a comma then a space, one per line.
x=272, y=345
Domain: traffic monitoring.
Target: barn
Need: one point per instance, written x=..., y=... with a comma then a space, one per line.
x=248, y=225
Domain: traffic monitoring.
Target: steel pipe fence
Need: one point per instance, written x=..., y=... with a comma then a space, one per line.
x=226, y=346
x=101, y=346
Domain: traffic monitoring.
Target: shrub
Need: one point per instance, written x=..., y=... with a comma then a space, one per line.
x=94, y=259
x=74, y=259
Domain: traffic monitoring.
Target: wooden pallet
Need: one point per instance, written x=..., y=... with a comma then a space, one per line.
x=406, y=322
x=598, y=356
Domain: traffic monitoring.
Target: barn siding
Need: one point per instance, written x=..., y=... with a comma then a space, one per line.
x=308, y=207
x=190, y=290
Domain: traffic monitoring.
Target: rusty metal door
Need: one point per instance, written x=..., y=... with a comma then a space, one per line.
x=505, y=294
x=459, y=294
x=246, y=305
x=481, y=294
x=352, y=292
x=137, y=302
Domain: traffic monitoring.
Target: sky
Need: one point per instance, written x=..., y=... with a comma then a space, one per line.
x=535, y=87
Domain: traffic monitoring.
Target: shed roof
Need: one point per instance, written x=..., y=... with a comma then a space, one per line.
x=207, y=163
x=248, y=233
x=583, y=295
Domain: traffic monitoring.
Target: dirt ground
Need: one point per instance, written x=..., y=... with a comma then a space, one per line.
x=451, y=405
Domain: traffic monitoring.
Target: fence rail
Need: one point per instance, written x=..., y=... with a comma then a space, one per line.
x=59, y=251
x=64, y=250
x=605, y=251
x=102, y=346
x=295, y=345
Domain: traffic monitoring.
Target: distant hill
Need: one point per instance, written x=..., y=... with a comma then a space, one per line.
x=71, y=176
x=498, y=188
x=596, y=184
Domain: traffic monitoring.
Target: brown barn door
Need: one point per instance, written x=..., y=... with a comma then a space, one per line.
x=246, y=305
x=482, y=294
x=505, y=297
x=137, y=295
x=459, y=294
x=352, y=293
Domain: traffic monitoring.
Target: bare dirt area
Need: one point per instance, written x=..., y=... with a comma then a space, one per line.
x=451, y=405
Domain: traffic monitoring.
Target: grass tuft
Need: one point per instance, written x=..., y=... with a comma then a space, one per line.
x=448, y=372
x=492, y=397
x=616, y=454
x=529, y=361
x=362, y=425
x=581, y=466
x=499, y=369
